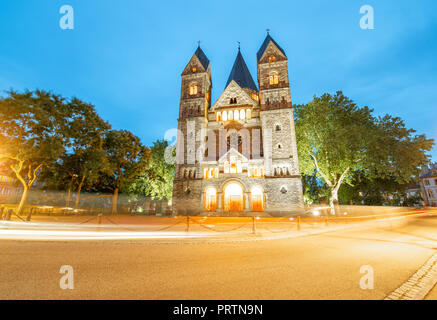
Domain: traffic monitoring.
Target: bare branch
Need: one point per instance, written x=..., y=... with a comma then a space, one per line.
x=316, y=164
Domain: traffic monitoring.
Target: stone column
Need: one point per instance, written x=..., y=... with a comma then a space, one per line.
x=219, y=201
x=247, y=201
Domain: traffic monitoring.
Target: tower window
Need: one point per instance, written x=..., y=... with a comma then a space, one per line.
x=278, y=128
x=194, y=69
x=233, y=101
x=272, y=59
x=219, y=116
x=193, y=89
x=273, y=78
x=230, y=115
x=279, y=146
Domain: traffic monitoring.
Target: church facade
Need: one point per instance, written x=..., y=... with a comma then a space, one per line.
x=238, y=155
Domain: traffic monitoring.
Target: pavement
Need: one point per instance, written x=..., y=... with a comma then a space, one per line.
x=317, y=266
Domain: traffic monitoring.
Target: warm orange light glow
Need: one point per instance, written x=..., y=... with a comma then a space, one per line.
x=211, y=199
x=274, y=78
x=219, y=116
x=233, y=197
x=272, y=59
x=257, y=199
x=193, y=89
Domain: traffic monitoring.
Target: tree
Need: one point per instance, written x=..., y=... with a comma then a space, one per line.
x=157, y=180
x=337, y=138
x=32, y=134
x=127, y=158
x=84, y=160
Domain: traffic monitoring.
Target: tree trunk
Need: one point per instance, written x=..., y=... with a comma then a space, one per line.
x=67, y=202
x=23, y=200
x=78, y=192
x=114, y=201
x=333, y=202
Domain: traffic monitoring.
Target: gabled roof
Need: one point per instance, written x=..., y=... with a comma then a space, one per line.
x=202, y=57
x=240, y=74
x=264, y=46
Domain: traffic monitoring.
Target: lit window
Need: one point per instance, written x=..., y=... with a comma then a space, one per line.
x=248, y=114
x=236, y=115
x=226, y=167
x=239, y=167
x=274, y=78
x=272, y=59
x=193, y=89
x=194, y=69
x=219, y=116
x=216, y=172
x=230, y=115
x=205, y=172
x=225, y=116
x=242, y=114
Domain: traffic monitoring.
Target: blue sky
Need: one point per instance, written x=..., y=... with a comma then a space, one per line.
x=126, y=57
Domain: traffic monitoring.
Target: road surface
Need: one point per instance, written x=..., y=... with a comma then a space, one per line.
x=323, y=266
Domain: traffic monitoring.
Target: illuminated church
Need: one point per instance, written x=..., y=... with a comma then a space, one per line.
x=238, y=155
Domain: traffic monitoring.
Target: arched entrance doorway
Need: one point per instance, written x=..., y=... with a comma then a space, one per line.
x=257, y=199
x=210, y=200
x=233, y=197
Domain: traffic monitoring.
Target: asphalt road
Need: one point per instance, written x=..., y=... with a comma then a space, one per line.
x=324, y=266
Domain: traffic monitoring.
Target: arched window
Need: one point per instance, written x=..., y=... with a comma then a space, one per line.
x=219, y=116
x=257, y=199
x=278, y=128
x=225, y=116
x=194, y=69
x=273, y=78
x=248, y=113
x=236, y=115
x=242, y=114
x=230, y=115
x=210, y=200
x=193, y=89
x=272, y=59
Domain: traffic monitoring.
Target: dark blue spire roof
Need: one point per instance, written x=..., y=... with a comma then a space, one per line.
x=264, y=47
x=202, y=57
x=240, y=74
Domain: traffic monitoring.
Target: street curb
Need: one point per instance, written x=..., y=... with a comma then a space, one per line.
x=419, y=285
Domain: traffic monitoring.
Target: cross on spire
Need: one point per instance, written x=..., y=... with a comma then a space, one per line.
x=238, y=45
x=198, y=43
x=268, y=31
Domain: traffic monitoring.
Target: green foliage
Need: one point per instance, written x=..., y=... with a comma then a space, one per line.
x=84, y=158
x=157, y=180
x=33, y=134
x=127, y=158
x=337, y=138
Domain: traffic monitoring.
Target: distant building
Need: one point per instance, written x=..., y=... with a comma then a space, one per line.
x=428, y=185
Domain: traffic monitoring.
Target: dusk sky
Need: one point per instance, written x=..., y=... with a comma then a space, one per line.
x=126, y=57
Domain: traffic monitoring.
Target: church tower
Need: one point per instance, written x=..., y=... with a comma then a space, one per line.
x=277, y=122
x=195, y=102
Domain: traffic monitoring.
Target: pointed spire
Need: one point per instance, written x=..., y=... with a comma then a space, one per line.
x=240, y=74
x=265, y=44
x=201, y=56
